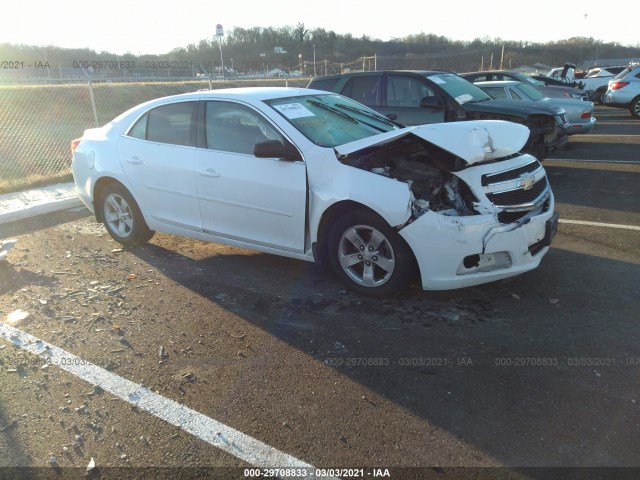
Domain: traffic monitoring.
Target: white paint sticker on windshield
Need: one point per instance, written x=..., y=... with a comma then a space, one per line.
x=436, y=79
x=294, y=110
x=464, y=98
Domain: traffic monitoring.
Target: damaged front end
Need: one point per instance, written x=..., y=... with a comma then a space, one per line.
x=479, y=207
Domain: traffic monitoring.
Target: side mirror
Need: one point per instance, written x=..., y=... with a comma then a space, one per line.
x=392, y=116
x=432, y=102
x=276, y=149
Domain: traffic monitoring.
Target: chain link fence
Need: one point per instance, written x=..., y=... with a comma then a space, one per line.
x=38, y=122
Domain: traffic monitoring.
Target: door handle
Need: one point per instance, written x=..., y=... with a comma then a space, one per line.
x=135, y=160
x=209, y=172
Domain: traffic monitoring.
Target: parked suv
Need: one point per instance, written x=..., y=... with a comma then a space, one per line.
x=420, y=97
x=624, y=91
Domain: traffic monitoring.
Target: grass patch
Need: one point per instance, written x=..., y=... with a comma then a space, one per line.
x=8, y=185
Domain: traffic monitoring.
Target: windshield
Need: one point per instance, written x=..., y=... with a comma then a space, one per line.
x=462, y=90
x=529, y=80
x=331, y=120
x=530, y=92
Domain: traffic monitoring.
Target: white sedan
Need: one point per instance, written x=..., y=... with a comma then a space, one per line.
x=319, y=177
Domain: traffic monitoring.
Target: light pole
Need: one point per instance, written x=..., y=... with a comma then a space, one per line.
x=262, y=55
x=220, y=34
x=314, y=60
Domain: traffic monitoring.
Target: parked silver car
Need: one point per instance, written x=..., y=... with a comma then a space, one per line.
x=550, y=91
x=579, y=113
x=624, y=91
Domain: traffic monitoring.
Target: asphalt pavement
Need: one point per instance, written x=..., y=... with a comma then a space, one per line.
x=182, y=358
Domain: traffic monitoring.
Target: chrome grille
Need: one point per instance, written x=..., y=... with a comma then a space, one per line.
x=520, y=196
x=520, y=189
x=490, y=178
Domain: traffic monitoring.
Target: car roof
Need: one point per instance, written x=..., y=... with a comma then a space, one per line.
x=499, y=83
x=489, y=71
x=247, y=93
x=356, y=74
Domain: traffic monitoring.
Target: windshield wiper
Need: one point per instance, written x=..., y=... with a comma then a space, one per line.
x=368, y=114
x=331, y=109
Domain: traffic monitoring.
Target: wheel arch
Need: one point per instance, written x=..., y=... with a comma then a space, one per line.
x=329, y=216
x=99, y=187
x=631, y=103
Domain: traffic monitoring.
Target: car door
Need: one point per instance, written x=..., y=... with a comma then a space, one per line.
x=157, y=156
x=403, y=94
x=242, y=197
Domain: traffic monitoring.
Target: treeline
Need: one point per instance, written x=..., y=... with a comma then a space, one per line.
x=293, y=47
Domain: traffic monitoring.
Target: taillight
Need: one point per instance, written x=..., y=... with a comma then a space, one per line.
x=618, y=85
x=585, y=115
x=74, y=145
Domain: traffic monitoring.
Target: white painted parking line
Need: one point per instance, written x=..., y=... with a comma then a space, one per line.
x=632, y=162
x=218, y=434
x=598, y=224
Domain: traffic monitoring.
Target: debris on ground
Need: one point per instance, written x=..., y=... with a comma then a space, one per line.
x=5, y=246
x=91, y=466
x=17, y=318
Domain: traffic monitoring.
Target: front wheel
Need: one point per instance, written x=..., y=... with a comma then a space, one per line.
x=369, y=256
x=634, y=108
x=122, y=217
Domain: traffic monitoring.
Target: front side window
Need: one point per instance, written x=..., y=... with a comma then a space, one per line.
x=166, y=124
x=403, y=91
x=232, y=127
x=331, y=120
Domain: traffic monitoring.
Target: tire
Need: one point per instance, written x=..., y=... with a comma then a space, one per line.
x=634, y=107
x=122, y=217
x=602, y=97
x=369, y=256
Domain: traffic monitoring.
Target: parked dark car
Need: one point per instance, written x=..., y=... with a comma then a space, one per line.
x=420, y=97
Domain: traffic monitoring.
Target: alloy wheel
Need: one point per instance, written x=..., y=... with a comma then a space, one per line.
x=366, y=256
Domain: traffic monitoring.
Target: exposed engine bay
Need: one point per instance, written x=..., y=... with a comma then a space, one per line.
x=426, y=168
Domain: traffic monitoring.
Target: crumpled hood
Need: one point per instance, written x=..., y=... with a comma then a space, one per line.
x=473, y=141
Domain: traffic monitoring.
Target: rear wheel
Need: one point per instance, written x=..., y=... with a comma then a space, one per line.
x=122, y=217
x=369, y=256
x=602, y=96
x=634, y=108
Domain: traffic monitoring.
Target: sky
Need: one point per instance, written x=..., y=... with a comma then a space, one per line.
x=154, y=27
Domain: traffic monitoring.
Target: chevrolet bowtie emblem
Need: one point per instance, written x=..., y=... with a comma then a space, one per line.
x=527, y=181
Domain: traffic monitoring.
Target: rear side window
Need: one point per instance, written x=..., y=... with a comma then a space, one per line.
x=515, y=96
x=496, y=92
x=166, y=124
x=363, y=89
x=327, y=84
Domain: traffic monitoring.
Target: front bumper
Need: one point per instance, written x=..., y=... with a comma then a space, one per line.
x=448, y=248
x=585, y=127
